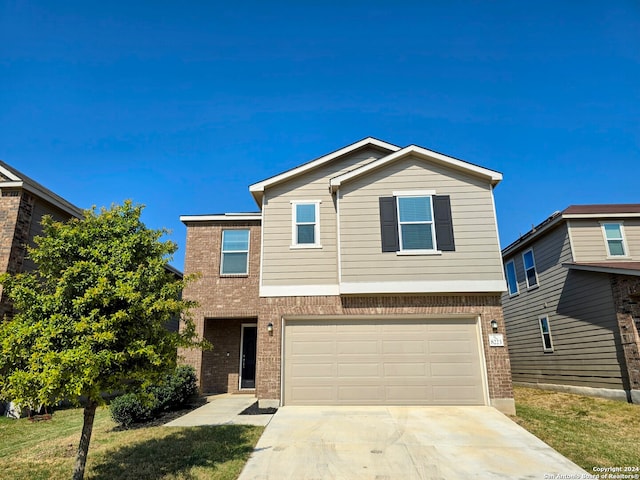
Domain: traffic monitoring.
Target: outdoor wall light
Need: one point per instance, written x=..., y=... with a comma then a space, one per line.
x=270, y=328
x=494, y=326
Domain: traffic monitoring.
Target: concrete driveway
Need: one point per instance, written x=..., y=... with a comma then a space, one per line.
x=401, y=443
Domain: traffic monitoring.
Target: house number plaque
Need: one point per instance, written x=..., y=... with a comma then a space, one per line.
x=496, y=340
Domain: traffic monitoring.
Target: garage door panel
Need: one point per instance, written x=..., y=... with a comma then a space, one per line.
x=418, y=370
x=382, y=361
x=400, y=345
x=358, y=370
x=416, y=394
x=315, y=370
x=356, y=347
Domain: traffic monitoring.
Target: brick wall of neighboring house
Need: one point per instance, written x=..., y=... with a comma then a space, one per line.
x=16, y=209
x=220, y=298
x=626, y=297
x=272, y=309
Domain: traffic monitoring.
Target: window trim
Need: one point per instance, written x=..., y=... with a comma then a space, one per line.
x=222, y=252
x=414, y=251
x=622, y=238
x=515, y=277
x=546, y=349
x=535, y=269
x=294, y=225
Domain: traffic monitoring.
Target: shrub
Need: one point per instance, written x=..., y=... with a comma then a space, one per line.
x=176, y=389
x=131, y=408
x=170, y=394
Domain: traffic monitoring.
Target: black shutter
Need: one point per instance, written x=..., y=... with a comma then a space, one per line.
x=444, y=223
x=389, y=224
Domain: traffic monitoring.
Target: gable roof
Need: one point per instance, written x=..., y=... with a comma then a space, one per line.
x=605, y=210
x=257, y=189
x=451, y=162
x=16, y=179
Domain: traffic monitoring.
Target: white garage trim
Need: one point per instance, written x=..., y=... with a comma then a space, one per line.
x=379, y=363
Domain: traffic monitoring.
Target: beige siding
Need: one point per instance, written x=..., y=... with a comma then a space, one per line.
x=581, y=316
x=477, y=254
x=282, y=265
x=589, y=243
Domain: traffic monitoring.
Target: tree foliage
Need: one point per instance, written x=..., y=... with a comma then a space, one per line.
x=91, y=319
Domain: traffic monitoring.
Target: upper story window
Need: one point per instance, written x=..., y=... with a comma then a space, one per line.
x=306, y=224
x=614, y=237
x=415, y=223
x=235, y=252
x=545, y=331
x=530, y=269
x=512, y=280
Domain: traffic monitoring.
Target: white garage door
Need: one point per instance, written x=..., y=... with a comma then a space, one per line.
x=382, y=362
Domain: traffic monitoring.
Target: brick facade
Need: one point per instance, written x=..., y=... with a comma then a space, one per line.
x=224, y=303
x=16, y=211
x=486, y=307
x=626, y=297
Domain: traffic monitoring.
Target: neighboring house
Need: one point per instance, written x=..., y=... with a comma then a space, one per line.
x=23, y=203
x=371, y=275
x=571, y=309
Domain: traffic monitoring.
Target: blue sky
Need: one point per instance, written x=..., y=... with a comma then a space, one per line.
x=181, y=105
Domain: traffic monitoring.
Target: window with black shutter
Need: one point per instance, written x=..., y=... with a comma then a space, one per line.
x=416, y=223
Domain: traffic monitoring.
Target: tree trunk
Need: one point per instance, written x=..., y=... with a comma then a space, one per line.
x=85, y=438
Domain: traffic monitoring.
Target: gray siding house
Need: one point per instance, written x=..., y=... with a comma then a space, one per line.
x=571, y=310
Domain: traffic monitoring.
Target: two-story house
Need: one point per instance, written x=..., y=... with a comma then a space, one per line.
x=571, y=309
x=23, y=203
x=370, y=275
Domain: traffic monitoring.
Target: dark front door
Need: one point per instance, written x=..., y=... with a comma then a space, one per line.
x=248, y=357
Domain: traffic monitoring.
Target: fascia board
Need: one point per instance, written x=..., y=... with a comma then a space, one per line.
x=602, y=216
x=258, y=188
x=601, y=269
x=492, y=175
x=219, y=218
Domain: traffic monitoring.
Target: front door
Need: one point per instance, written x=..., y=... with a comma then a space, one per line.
x=248, y=356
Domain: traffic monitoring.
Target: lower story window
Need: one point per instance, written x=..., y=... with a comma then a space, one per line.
x=545, y=331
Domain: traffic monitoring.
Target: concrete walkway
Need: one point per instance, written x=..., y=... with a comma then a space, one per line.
x=403, y=443
x=222, y=409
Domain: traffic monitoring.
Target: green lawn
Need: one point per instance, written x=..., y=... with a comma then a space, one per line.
x=46, y=450
x=591, y=432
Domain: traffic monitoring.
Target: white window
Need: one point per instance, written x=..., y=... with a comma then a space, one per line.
x=530, y=269
x=512, y=280
x=614, y=236
x=415, y=223
x=545, y=331
x=235, y=252
x=306, y=224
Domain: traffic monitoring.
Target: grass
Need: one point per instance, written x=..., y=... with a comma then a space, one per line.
x=46, y=450
x=591, y=432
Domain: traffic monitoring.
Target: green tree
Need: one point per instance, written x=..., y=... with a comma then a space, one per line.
x=91, y=319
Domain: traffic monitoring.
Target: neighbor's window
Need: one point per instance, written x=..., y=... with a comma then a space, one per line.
x=235, y=252
x=512, y=281
x=545, y=331
x=615, y=239
x=415, y=223
x=530, y=269
x=306, y=228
